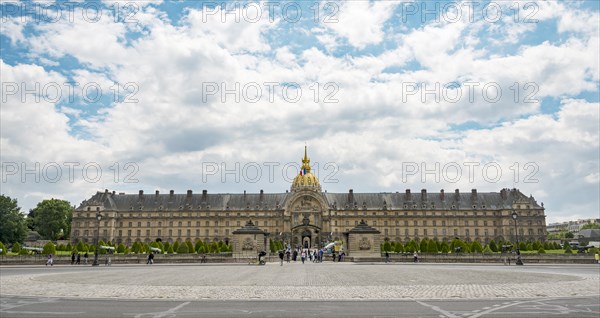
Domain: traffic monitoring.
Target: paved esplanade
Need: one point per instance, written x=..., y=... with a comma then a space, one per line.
x=295, y=281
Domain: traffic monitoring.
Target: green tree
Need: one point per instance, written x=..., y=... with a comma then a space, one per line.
x=16, y=248
x=197, y=245
x=568, y=249
x=3, y=248
x=121, y=248
x=170, y=249
x=23, y=252
x=398, y=248
x=493, y=246
x=49, y=248
x=432, y=247
x=569, y=235
x=424, y=245
x=53, y=219
x=271, y=246
x=536, y=245
x=13, y=226
x=523, y=246
x=101, y=250
x=176, y=245
x=445, y=248
x=182, y=249
x=487, y=250
x=167, y=245
x=541, y=250
x=80, y=246
x=387, y=247
x=190, y=246
x=476, y=247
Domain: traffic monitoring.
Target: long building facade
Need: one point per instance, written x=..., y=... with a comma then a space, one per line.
x=306, y=216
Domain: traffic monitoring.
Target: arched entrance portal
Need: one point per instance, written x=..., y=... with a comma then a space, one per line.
x=305, y=236
x=306, y=239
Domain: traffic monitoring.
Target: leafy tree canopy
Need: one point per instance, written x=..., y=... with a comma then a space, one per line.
x=52, y=219
x=13, y=226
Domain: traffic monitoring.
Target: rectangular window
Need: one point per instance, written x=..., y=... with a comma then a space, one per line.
x=128, y=233
x=147, y=233
x=455, y=232
x=416, y=232
x=139, y=233
x=120, y=233
x=159, y=233
x=179, y=233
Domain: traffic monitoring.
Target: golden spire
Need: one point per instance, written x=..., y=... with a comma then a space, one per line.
x=306, y=161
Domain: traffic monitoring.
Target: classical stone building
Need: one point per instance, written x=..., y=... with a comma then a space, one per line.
x=308, y=216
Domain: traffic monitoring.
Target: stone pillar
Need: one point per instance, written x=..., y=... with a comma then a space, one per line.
x=364, y=241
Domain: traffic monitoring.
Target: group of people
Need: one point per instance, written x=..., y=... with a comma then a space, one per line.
x=307, y=255
x=76, y=258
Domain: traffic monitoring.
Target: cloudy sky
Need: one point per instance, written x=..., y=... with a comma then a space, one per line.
x=388, y=96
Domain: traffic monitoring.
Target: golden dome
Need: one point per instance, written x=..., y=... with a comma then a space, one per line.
x=305, y=180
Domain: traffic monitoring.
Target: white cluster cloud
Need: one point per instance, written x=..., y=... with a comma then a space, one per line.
x=167, y=128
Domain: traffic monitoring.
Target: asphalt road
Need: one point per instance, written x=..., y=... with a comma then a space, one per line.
x=55, y=307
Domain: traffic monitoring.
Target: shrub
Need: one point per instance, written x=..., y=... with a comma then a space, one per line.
x=593, y=250
x=424, y=246
x=476, y=247
x=531, y=248
x=146, y=248
x=432, y=247
x=170, y=249
x=487, y=250
x=166, y=246
x=80, y=246
x=536, y=245
x=547, y=246
x=493, y=246
x=4, y=251
x=445, y=248
x=541, y=250
x=190, y=246
x=69, y=246
x=197, y=245
x=176, y=246
x=23, y=252
x=398, y=247
x=16, y=248
x=523, y=246
x=49, y=248
x=121, y=248
x=387, y=247
x=568, y=249
x=183, y=249
x=101, y=250
x=61, y=247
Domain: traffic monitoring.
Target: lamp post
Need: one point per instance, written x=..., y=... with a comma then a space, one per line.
x=98, y=217
x=514, y=216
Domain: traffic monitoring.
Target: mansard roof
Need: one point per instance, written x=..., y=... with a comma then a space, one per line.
x=275, y=201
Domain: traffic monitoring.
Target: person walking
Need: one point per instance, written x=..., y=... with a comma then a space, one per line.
x=78, y=259
x=287, y=255
x=387, y=257
x=72, y=258
x=281, y=258
x=597, y=258
x=415, y=257
x=50, y=260
x=150, y=259
x=303, y=256
x=85, y=257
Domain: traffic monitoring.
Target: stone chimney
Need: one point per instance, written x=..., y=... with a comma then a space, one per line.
x=442, y=195
x=503, y=194
x=456, y=195
x=473, y=194
x=407, y=196
x=189, y=193
x=423, y=194
x=141, y=193
x=351, y=196
x=204, y=195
